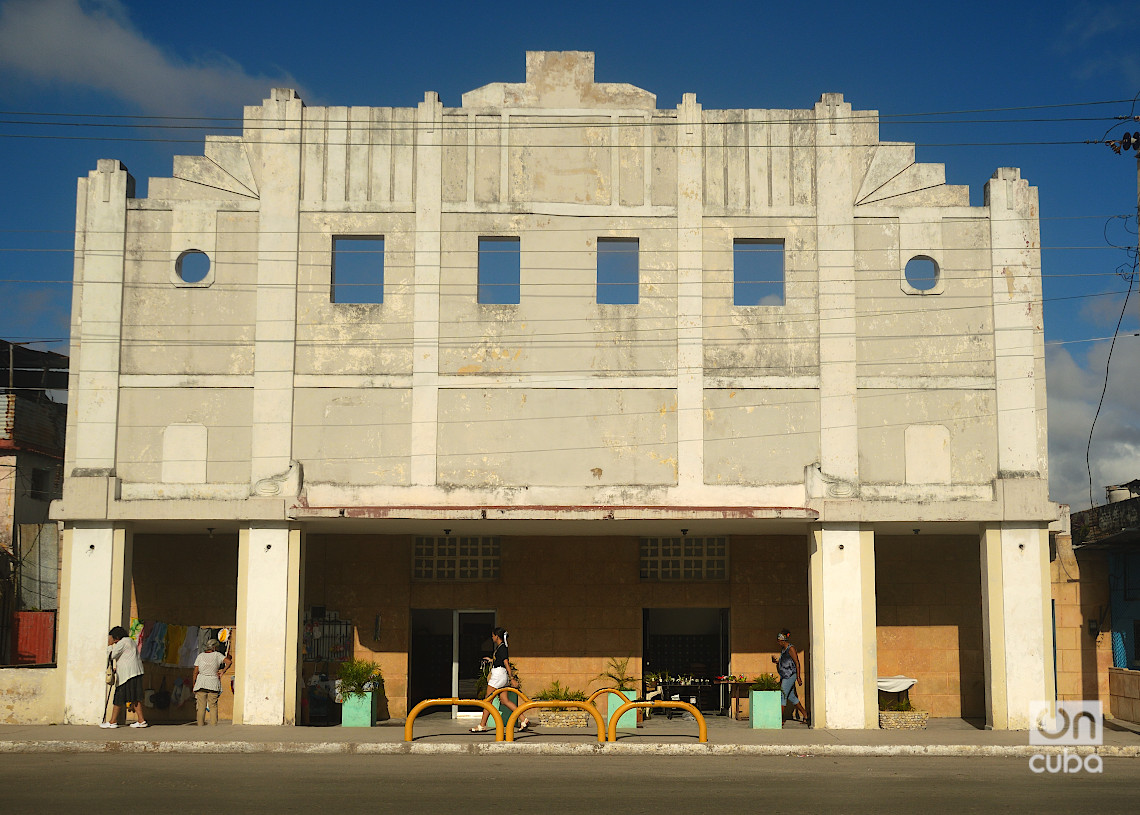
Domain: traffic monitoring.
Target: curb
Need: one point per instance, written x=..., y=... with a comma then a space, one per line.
x=558, y=749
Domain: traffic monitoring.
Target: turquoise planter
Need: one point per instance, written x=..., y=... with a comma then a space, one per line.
x=628, y=720
x=764, y=710
x=359, y=710
x=505, y=711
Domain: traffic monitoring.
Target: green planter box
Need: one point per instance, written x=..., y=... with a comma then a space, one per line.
x=359, y=710
x=628, y=720
x=764, y=710
x=505, y=711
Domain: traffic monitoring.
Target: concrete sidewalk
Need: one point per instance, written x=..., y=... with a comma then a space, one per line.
x=438, y=733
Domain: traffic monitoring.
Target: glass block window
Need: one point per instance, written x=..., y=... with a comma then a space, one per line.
x=684, y=558
x=456, y=558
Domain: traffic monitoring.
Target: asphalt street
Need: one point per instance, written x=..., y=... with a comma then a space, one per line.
x=312, y=784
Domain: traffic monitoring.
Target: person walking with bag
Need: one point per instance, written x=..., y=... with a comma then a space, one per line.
x=123, y=656
x=499, y=677
x=208, y=669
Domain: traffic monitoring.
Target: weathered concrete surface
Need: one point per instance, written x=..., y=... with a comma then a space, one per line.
x=857, y=400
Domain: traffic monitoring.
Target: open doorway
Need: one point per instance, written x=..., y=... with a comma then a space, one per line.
x=446, y=647
x=690, y=647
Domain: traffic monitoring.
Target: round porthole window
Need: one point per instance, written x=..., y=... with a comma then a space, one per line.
x=921, y=273
x=192, y=266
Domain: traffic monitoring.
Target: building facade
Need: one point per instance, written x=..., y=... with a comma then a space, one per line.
x=629, y=381
x=32, y=428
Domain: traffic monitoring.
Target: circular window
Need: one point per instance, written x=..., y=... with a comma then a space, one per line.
x=192, y=266
x=922, y=273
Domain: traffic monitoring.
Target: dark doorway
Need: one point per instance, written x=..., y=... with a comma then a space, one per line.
x=447, y=646
x=688, y=644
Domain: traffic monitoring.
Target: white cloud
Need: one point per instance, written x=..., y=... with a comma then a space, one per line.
x=92, y=44
x=1074, y=388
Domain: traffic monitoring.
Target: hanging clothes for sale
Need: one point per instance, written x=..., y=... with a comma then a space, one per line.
x=189, y=650
x=175, y=636
x=155, y=648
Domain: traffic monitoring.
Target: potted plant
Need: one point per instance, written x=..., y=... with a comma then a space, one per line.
x=357, y=684
x=764, y=709
x=617, y=672
x=561, y=717
x=900, y=714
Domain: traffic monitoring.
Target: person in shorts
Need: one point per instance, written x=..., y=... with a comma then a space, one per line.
x=123, y=653
x=499, y=677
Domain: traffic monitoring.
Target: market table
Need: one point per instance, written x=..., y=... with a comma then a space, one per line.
x=737, y=690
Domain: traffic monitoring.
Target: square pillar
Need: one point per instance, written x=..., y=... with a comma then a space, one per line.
x=841, y=614
x=1017, y=628
x=95, y=595
x=268, y=651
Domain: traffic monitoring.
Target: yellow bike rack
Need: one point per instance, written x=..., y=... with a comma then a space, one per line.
x=522, y=696
x=600, y=691
x=426, y=703
x=586, y=706
x=702, y=728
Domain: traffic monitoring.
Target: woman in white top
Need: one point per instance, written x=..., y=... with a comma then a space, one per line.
x=123, y=654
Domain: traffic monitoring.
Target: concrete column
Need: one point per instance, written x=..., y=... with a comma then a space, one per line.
x=276, y=311
x=835, y=218
x=690, y=295
x=95, y=595
x=843, y=657
x=1019, y=351
x=1017, y=627
x=267, y=654
x=425, y=324
x=102, y=223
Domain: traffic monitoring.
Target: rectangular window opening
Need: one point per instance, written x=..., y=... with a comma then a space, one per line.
x=665, y=559
x=456, y=558
x=757, y=272
x=499, y=271
x=358, y=270
x=618, y=264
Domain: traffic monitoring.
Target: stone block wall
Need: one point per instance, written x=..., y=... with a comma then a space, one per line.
x=1080, y=594
x=930, y=622
x=569, y=603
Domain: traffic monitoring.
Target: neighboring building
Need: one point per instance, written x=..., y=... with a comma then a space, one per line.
x=628, y=381
x=1106, y=544
x=31, y=474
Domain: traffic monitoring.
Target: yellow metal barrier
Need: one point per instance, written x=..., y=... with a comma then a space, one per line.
x=600, y=691
x=586, y=706
x=702, y=728
x=426, y=703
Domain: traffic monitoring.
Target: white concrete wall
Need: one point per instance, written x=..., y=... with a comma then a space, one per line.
x=267, y=653
x=1017, y=627
x=95, y=584
x=842, y=618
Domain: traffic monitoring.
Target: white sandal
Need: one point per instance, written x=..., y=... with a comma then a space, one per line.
x=478, y=729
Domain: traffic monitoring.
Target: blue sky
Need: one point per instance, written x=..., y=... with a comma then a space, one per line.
x=68, y=59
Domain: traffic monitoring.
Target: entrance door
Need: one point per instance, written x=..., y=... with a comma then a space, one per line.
x=447, y=646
